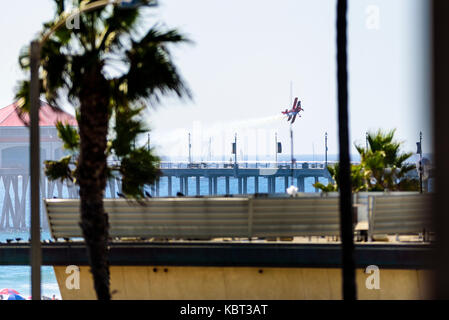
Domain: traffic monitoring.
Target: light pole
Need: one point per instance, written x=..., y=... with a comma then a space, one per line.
x=292, y=156
x=276, y=149
x=291, y=134
x=35, y=53
x=235, y=150
x=325, y=150
x=36, y=252
x=190, y=150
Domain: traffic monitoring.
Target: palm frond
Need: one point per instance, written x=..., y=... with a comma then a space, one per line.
x=59, y=169
x=152, y=72
x=22, y=97
x=128, y=126
x=60, y=6
x=120, y=22
x=138, y=168
x=55, y=65
x=69, y=136
x=326, y=188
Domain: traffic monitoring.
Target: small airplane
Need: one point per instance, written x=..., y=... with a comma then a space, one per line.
x=291, y=114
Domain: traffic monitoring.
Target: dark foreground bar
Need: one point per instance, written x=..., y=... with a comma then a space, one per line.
x=394, y=256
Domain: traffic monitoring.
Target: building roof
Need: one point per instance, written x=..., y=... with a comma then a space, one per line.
x=48, y=116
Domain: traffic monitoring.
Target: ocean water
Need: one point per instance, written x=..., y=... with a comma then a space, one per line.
x=19, y=277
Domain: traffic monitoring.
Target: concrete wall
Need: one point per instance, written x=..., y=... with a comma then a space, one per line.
x=244, y=283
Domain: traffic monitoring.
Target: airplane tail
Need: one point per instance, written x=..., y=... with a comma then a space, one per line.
x=294, y=103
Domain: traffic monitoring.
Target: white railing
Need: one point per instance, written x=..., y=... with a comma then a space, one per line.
x=244, y=217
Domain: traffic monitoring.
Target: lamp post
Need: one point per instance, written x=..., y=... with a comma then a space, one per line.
x=276, y=149
x=35, y=53
x=325, y=150
x=190, y=150
x=235, y=150
x=291, y=135
x=36, y=253
x=292, y=154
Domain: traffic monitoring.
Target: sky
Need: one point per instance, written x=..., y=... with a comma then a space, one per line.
x=248, y=60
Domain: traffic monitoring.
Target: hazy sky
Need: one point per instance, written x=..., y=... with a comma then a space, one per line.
x=246, y=54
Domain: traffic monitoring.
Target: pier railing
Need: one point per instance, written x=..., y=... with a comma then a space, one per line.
x=176, y=177
x=244, y=164
x=204, y=218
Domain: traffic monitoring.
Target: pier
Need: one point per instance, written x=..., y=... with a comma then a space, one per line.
x=14, y=184
x=243, y=172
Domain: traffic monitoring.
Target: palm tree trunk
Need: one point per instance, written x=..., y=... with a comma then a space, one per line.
x=346, y=229
x=93, y=128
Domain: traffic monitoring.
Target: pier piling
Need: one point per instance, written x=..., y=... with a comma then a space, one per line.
x=198, y=192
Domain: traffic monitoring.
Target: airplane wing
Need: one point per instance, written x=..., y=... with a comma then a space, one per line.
x=289, y=117
x=294, y=117
x=294, y=103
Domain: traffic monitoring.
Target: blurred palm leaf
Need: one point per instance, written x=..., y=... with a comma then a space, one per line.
x=69, y=136
x=60, y=169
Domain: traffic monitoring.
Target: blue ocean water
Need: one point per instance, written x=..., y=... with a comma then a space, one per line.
x=19, y=277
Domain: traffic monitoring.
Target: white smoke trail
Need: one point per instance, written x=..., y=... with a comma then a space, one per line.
x=255, y=123
x=174, y=143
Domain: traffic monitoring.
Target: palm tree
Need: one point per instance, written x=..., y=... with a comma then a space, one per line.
x=357, y=179
x=385, y=167
x=382, y=167
x=109, y=71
